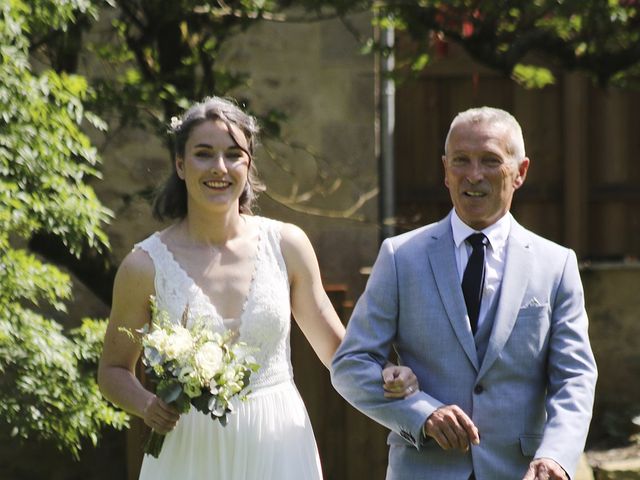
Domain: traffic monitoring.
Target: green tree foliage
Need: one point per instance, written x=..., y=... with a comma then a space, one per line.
x=601, y=37
x=47, y=379
x=166, y=53
x=162, y=56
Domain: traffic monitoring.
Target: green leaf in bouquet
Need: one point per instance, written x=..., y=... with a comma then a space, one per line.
x=169, y=390
x=201, y=403
x=152, y=356
x=155, y=373
x=224, y=419
x=211, y=404
x=246, y=377
x=183, y=403
x=219, y=408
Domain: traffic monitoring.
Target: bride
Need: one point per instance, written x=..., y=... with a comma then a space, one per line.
x=244, y=273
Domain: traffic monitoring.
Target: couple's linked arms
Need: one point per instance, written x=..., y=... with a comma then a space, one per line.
x=363, y=354
x=316, y=316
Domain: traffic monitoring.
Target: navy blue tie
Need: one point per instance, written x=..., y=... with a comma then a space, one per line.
x=473, y=278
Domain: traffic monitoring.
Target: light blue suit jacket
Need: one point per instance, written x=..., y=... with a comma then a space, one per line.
x=532, y=396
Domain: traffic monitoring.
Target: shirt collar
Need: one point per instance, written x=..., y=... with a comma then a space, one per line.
x=497, y=233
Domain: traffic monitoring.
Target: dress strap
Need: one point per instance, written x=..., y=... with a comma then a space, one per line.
x=272, y=230
x=171, y=283
x=153, y=246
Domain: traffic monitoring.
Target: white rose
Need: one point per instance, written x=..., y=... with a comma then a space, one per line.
x=179, y=343
x=157, y=339
x=229, y=375
x=208, y=359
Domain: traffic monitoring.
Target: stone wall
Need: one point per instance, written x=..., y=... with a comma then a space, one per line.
x=613, y=304
x=315, y=74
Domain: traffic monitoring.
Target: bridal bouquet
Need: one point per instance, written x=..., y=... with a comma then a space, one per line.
x=193, y=367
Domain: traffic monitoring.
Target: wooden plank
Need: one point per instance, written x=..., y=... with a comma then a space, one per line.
x=609, y=132
x=575, y=114
x=611, y=222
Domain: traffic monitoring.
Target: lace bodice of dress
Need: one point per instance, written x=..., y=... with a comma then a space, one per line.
x=265, y=321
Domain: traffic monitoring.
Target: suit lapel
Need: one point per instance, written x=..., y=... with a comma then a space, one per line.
x=514, y=284
x=441, y=254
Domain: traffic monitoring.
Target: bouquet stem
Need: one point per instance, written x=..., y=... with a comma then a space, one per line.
x=154, y=444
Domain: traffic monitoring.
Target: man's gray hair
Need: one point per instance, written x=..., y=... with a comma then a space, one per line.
x=493, y=116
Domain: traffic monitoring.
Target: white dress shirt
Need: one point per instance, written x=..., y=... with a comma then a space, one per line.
x=495, y=256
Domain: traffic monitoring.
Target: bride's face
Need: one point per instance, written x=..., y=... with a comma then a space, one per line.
x=214, y=168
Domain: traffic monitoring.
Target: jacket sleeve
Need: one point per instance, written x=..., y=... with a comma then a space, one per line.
x=356, y=371
x=571, y=374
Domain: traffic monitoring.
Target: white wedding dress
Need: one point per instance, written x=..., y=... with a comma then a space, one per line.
x=269, y=436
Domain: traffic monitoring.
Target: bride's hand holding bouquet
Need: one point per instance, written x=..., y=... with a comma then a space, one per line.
x=192, y=366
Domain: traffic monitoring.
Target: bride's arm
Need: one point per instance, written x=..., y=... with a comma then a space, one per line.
x=116, y=372
x=310, y=304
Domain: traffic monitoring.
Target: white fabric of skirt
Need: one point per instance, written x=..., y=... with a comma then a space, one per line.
x=268, y=437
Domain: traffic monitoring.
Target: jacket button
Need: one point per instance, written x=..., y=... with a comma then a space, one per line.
x=478, y=389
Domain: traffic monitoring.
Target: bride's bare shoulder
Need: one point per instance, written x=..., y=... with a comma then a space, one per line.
x=136, y=272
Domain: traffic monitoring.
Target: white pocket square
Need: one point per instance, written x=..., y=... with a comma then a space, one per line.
x=534, y=302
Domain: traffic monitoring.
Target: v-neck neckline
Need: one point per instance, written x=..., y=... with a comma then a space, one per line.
x=250, y=293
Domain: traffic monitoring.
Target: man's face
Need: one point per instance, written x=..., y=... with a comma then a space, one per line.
x=480, y=172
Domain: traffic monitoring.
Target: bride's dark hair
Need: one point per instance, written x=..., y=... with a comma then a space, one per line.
x=171, y=199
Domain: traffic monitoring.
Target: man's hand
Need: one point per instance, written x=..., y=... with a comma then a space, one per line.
x=451, y=428
x=545, y=469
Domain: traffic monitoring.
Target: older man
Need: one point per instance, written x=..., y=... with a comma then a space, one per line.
x=491, y=319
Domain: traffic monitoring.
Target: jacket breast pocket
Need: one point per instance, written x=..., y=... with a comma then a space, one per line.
x=530, y=332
